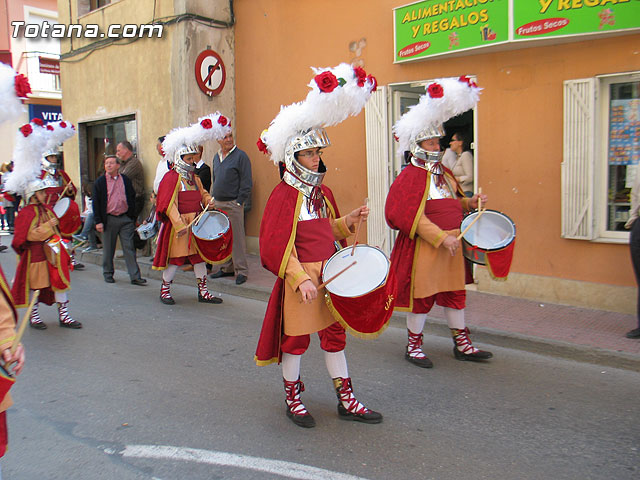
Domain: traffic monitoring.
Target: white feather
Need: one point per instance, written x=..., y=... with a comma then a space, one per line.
x=458, y=97
x=319, y=109
x=195, y=134
x=27, y=156
x=10, y=104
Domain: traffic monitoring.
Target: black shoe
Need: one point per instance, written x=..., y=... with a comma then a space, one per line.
x=78, y=266
x=209, y=300
x=369, y=417
x=139, y=281
x=635, y=333
x=38, y=325
x=71, y=324
x=304, y=421
x=479, y=356
x=109, y=280
x=220, y=274
x=3, y=248
x=240, y=279
x=167, y=301
x=420, y=362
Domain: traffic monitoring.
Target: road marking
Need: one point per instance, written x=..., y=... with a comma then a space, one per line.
x=276, y=467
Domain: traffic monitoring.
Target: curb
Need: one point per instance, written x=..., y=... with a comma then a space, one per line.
x=435, y=326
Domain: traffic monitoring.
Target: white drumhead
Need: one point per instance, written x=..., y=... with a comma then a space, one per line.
x=61, y=206
x=493, y=230
x=368, y=274
x=211, y=225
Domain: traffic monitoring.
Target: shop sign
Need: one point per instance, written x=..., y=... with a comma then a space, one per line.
x=437, y=27
x=46, y=113
x=624, y=132
x=553, y=18
x=49, y=65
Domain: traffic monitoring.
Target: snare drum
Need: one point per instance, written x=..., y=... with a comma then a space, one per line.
x=213, y=236
x=68, y=215
x=363, y=297
x=493, y=231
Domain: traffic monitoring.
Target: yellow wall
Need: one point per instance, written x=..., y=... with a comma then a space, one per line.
x=519, y=139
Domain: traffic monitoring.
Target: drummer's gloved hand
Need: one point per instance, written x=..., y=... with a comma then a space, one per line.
x=308, y=291
x=451, y=243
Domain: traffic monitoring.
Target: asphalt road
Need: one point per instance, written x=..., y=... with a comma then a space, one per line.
x=147, y=391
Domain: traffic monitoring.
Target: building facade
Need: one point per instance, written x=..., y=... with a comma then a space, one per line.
x=544, y=135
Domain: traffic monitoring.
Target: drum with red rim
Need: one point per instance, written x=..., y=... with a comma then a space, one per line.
x=213, y=236
x=68, y=214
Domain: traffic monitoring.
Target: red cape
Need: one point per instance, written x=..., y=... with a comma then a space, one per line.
x=277, y=237
x=404, y=206
x=26, y=219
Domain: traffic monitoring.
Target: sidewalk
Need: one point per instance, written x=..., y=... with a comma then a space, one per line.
x=573, y=333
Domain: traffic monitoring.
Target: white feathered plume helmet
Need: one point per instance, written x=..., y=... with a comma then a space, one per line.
x=210, y=127
x=444, y=99
x=13, y=87
x=336, y=93
x=32, y=140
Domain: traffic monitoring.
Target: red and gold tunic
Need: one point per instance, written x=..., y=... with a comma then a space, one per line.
x=34, y=270
x=179, y=202
x=295, y=250
x=421, y=266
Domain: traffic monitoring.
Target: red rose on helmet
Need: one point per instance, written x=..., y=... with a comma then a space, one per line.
x=206, y=123
x=435, y=90
x=26, y=130
x=468, y=81
x=63, y=124
x=361, y=75
x=374, y=82
x=50, y=128
x=37, y=121
x=327, y=82
x=262, y=146
x=222, y=120
x=21, y=85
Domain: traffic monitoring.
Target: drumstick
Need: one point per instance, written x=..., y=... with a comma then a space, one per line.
x=25, y=321
x=197, y=217
x=355, y=239
x=65, y=190
x=336, y=275
x=470, y=224
x=479, y=199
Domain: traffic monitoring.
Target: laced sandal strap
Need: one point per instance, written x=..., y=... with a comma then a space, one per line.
x=414, y=347
x=348, y=399
x=463, y=342
x=293, y=391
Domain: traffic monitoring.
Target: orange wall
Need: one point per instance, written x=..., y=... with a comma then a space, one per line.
x=519, y=142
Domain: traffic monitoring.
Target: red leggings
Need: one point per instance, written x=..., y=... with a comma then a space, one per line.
x=332, y=339
x=455, y=299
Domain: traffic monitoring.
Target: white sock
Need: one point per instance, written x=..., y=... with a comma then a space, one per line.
x=455, y=318
x=416, y=321
x=336, y=364
x=291, y=367
x=169, y=273
x=61, y=297
x=200, y=270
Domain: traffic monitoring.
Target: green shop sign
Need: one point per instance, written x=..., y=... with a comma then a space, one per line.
x=551, y=18
x=436, y=27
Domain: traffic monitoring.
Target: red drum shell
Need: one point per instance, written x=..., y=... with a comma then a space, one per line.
x=216, y=250
x=363, y=297
x=69, y=217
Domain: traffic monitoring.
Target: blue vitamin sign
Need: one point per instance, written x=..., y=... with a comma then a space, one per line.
x=46, y=113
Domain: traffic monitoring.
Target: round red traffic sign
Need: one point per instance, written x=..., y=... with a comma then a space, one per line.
x=211, y=73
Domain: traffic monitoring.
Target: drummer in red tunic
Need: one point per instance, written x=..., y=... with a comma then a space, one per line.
x=181, y=198
x=60, y=183
x=299, y=230
x=426, y=205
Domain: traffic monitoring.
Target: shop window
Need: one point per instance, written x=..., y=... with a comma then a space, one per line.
x=86, y=6
x=601, y=156
x=98, y=139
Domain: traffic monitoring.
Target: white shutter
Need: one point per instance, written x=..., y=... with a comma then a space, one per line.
x=579, y=141
x=377, y=167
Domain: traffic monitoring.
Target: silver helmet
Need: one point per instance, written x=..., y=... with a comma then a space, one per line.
x=297, y=175
x=183, y=168
x=435, y=131
x=36, y=185
x=47, y=165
